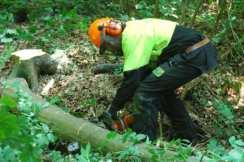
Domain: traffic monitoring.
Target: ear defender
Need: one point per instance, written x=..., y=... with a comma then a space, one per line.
x=100, y=27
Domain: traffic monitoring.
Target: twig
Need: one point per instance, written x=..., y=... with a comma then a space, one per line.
x=235, y=36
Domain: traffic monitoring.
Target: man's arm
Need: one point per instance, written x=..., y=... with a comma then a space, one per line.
x=127, y=89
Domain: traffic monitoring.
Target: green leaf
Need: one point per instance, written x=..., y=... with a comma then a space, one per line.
x=224, y=109
x=215, y=147
x=24, y=35
x=8, y=154
x=11, y=31
x=6, y=40
x=30, y=154
x=86, y=153
x=9, y=125
x=140, y=137
x=88, y=148
x=236, y=155
x=41, y=139
x=235, y=143
x=111, y=135
x=8, y=102
x=56, y=156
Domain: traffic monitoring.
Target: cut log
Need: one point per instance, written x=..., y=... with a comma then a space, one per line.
x=31, y=63
x=78, y=129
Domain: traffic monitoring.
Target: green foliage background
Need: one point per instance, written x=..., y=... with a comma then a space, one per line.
x=55, y=24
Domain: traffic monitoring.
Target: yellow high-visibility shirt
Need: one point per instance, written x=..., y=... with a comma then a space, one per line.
x=143, y=41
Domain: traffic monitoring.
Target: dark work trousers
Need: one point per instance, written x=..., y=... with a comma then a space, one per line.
x=157, y=92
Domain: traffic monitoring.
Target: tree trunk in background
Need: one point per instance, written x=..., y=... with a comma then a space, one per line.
x=78, y=129
x=156, y=9
x=184, y=6
x=128, y=6
x=222, y=11
x=197, y=11
x=121, y=4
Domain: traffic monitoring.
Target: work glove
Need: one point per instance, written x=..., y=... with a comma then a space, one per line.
x=113, y=113
x=107, y=118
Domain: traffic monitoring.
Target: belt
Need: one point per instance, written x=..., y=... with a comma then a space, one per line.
x=197, y=45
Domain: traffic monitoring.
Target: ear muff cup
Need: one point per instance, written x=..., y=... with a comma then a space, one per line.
x=94, y=32
x=108, y=26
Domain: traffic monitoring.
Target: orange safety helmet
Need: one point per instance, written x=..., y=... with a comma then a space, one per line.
x=107, y=25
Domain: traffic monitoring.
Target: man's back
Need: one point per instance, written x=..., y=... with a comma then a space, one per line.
x=144, y=39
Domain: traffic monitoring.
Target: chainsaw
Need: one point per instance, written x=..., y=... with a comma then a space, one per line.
x=123, y=123
x=120, y=124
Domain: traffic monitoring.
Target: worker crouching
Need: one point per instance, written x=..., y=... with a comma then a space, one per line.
x=159, y=56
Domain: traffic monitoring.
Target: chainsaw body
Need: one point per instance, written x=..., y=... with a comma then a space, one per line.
x=123, y=123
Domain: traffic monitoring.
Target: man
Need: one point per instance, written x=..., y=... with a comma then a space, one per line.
x=159, y=56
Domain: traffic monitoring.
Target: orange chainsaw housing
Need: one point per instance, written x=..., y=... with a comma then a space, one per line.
x=124, y=123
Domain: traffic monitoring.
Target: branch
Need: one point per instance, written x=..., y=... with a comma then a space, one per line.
x=107, y=68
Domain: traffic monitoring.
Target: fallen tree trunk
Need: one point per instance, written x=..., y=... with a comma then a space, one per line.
x=83, y=131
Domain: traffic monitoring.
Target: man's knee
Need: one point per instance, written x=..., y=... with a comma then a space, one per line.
x=140, y=97
x=146, y=100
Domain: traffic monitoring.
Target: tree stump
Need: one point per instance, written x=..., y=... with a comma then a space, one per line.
x=31, y=63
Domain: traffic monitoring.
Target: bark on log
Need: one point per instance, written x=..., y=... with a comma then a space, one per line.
x=78, y=129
